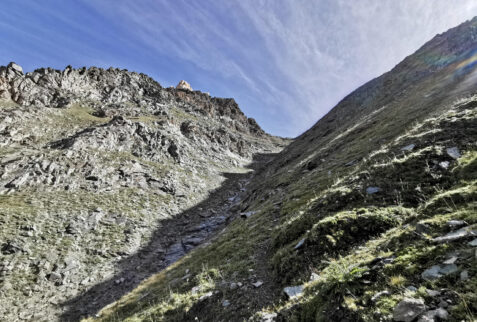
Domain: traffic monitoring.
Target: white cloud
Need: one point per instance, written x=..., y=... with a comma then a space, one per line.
x=297, y=57
x=327, y=49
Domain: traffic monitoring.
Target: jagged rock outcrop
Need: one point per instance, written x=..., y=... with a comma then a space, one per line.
x=184, y=85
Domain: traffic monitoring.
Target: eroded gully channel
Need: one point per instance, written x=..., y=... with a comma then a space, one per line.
x=175, y=238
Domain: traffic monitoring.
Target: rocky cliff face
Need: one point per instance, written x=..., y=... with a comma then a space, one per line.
x=92, y=162
x=368, y=216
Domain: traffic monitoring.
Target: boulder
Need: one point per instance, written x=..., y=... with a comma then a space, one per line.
x=455, y=235
x=268, y=317
x=293, y=291
x=444, y=164
x=408, y=309
x=16, y=68
x=257, y=284
x=247, y=214
x=300, y=243
x=438, y=314
x=409, y=147
x=378, y=295
x=456, y=223
x=206, y=296
x=438, y=271
x=372, y=190
x=453, y=152
x=55, y=277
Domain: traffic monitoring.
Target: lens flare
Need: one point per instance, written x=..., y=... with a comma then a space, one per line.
x=467, y=64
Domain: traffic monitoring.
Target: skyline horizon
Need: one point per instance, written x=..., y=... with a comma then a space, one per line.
x=285, y=65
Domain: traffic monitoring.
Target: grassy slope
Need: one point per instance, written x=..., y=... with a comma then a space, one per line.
x=315, y=190
x=344, y=229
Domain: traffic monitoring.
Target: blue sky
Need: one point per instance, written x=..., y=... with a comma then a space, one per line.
x=286, y=62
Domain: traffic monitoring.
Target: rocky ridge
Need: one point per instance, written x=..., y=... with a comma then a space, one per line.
x=92, y=163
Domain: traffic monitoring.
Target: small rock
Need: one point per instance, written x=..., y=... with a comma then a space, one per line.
x=186, y=276
x=257, y=284
x=451, y=260
x=409, y=147
x=473, y=243
x=225, y=303
x=233, y=286
x=443, y=304
x=380, y=294
x=412, y=288
x=437, y=271
x=453, y=152
x=300, y=243
x=268, y=317
x=314, y=277
x=432, y=273
x=247, y=214
x=432, y=315
x=455, y=235
x=15, y=67
x=408, y=309
x=351, y=163
x=444, y=164
x=54, y=277
x=372, y=190
x=119, y=281
x=456, y=223
x=433, y=293
x=293, y=291
x=239, y=284
x=206, y=296
x=464, y=275
x=447, y=269
x=389, y=260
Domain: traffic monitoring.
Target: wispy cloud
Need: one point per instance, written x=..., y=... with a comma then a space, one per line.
x=287, y=62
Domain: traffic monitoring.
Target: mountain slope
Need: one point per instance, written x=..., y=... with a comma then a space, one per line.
x=96, y=168
x=368, y=216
